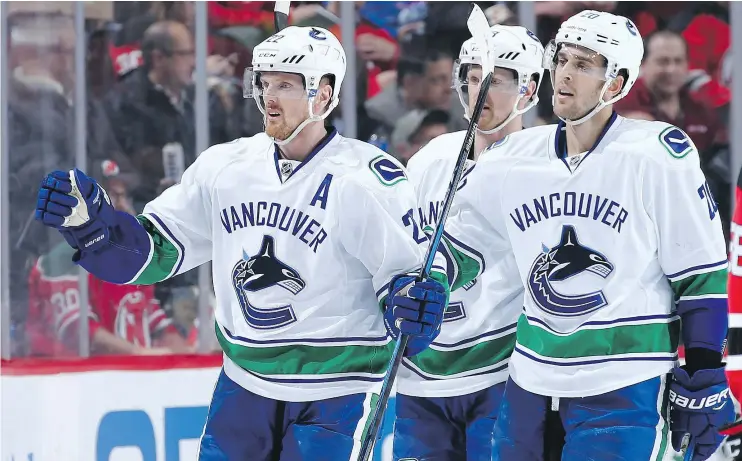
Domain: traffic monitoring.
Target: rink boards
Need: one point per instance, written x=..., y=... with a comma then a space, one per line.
x=116, y=409
x=111, y=409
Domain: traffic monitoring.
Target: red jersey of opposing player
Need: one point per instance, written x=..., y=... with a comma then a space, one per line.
x=734, y=348
x=130, y=312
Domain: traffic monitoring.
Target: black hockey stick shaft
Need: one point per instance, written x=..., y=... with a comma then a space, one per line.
x=281, y=15
x=377, y=416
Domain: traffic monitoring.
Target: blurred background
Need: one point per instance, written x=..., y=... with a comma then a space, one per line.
x=132, y=92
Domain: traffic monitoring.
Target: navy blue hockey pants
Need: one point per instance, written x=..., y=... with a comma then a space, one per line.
x=628, y=424
x=243, y=426
x=447, y=428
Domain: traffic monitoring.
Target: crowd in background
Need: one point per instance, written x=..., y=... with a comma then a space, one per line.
x=141, y=123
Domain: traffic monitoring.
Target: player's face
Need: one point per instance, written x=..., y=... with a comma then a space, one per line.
x=500, y=98
x=285, y=103
x=579, y=77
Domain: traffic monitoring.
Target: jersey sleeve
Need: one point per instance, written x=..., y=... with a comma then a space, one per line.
x=378, y=228
x=179, y=225
x=475, y=233
x=691, y=246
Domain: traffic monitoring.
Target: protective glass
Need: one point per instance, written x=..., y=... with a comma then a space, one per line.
x=468, y=78
x=261, y=85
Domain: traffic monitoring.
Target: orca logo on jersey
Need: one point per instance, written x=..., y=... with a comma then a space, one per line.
x=260, y=272
x=566, y=260
x=677, y=143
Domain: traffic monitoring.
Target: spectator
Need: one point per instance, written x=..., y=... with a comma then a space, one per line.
x=124, y=319
x=40, y=136
x=660, y=94
x=153, y=108
x=416, y=129
x=423, y=82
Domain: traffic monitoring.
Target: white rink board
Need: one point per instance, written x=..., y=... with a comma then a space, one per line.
x=116, y=416
x=82, y=416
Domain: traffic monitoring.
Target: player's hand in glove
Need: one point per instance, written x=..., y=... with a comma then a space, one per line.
x=415, y=309
x=78, y=207
x=700, y=405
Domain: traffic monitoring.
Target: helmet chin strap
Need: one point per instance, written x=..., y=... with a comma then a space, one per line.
x=310, y=119
x=513, y=113
x=598, y=107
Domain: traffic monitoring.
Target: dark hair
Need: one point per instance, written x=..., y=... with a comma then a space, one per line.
x=662, y=33
x=158, y=36
x=434, y=117
x=415, y=55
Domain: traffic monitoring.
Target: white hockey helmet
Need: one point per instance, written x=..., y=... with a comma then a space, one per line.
x=312, y=52
x=515, y=48
x=616, y=38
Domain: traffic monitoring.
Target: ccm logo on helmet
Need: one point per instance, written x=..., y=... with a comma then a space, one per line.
x=715, y=400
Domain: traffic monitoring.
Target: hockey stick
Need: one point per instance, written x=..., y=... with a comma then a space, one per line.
x=688, y=456
x=479, y=28
x=281, y=15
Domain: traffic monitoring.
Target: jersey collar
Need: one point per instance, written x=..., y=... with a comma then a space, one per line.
x=322, y=144
x=560, y=140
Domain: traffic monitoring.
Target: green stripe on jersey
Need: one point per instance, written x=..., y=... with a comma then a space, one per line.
x=164, y=258
x=710, y=283
x=303, y=359
x=468, y=267
x=447, y=363
x=615, y=340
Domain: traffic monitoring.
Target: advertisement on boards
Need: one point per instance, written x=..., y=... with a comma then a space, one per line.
x=113, y=415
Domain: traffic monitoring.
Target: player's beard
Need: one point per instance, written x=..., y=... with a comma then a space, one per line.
x=281, y=129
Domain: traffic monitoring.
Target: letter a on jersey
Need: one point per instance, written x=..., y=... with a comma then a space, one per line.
x=261, y=272
x=566, y=260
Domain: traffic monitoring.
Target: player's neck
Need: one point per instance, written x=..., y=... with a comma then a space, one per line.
x=304, y=142
x=483, y=140
x=582, y=137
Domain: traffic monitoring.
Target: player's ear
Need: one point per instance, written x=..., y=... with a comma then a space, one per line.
x=529, y=94
x=324, y=96
x=615, y=86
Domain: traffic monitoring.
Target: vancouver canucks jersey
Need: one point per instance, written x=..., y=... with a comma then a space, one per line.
x=612, y=246
x=301, y=254
x=478, y=334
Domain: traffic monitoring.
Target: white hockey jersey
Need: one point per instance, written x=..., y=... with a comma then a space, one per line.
x=301, y=256
x=478, y=334
x=609, y=245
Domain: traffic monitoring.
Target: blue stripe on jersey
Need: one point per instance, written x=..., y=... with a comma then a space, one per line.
x=639, y=318
x=696, y=268
x=365, y=339
x=634, y=358
x=475, y=338
x=431, y=378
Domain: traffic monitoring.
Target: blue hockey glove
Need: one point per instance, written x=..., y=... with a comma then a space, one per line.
x=700, y=405
x=415, y=309
x=78, y=207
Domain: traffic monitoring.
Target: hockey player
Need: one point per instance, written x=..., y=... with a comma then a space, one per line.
x=448, y=396
x=307, y=231
x=619, y=245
